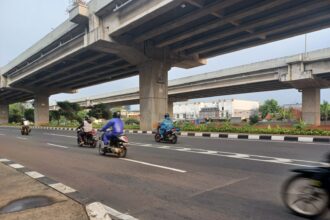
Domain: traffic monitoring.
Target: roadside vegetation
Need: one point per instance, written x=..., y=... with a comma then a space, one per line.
x=271, y=119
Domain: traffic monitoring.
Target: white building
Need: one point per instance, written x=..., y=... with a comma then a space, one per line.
x=227, y=109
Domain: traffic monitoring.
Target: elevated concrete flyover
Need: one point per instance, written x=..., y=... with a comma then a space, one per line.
x=306, y=72
x=113, y=39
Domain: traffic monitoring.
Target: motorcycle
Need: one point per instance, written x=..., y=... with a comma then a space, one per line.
x=25, y=130
x=118, y=146
x=307, y=193
x=169, y=136
x=89, y=138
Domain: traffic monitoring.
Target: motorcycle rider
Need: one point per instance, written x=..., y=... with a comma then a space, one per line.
x=117, y=129
x=86, y=126
x=166, y=125
x=25, y=123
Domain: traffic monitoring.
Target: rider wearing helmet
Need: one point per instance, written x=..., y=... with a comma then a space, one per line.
x=86, y=126
x=117, y=128
x=166, y=125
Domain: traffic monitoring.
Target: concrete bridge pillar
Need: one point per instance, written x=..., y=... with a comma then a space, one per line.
x=41, y=110
x=311, y=106
x=153, y=93
x=170, y=109
x=4, y=113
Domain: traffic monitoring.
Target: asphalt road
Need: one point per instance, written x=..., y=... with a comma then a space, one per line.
x=198, y=178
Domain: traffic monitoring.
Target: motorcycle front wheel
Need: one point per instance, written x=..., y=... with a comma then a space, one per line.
x=305, y=197
x=174, y=139
x=101, y=152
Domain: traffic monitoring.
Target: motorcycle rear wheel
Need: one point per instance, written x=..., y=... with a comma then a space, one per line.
x=306, y=199
x=157, y=137
x=123, y=153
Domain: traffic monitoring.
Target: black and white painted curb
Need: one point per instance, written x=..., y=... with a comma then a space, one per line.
x=245, y=136
x=95, y=210
x=307, y=139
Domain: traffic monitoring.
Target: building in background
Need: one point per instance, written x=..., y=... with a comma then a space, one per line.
x=220, y=109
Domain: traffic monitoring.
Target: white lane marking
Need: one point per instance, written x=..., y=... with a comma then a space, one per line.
x=16, y=166
x=253, y=157
x=21, y=138
x=97, y=211
x=62, y=188
x=154, y=165
x=55, y=145
x=4, y=160
x=61, y=135
x=34, y=174
x=1, y=134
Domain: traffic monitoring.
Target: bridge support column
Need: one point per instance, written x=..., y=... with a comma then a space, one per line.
x=311, y=106
x=170, y=109
x=41, y=110
x=4, y=114
x=153, y=93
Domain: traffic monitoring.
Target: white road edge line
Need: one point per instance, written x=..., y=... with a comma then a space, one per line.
x=155, y=165
x=60, y=135
x=55, y=145
x=97, y=210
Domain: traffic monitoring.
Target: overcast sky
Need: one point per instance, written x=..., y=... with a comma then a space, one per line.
x=22, y=23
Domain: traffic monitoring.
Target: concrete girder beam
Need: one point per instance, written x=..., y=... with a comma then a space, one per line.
x=300, y=75
x=153, y=93
x=4, y=114
x=41, y=109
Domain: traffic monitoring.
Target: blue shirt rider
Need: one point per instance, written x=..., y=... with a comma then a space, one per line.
x=117, y=128
x=166, y=125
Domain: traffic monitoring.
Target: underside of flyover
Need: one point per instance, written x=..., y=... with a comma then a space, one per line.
x=208, y=28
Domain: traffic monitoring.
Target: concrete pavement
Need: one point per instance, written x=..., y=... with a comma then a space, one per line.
x=149, y=185
x=23, y=197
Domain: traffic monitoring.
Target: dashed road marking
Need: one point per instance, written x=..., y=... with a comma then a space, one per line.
x=62, y=188
x=260, y=158
x=1, y=134
x=55, y=145
x=155, y=165
x=16, y=166
x=60, y=135
x=21, y=138
x=34, y=174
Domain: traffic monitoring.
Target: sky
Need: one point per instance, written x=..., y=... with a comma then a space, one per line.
x=23, y=23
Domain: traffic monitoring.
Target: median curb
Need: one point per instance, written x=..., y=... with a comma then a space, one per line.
x=269, y=137
x=94, y=210
x=311, y=139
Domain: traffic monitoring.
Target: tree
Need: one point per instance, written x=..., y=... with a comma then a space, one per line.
x=325, y=110
x=55, y=116
x=69, y=110
x=99, y=111
x=16, y=112
x=269, y=107
x=29, y=114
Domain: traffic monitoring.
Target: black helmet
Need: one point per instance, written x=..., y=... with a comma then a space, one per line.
x=116, y=115
x=166, y=115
